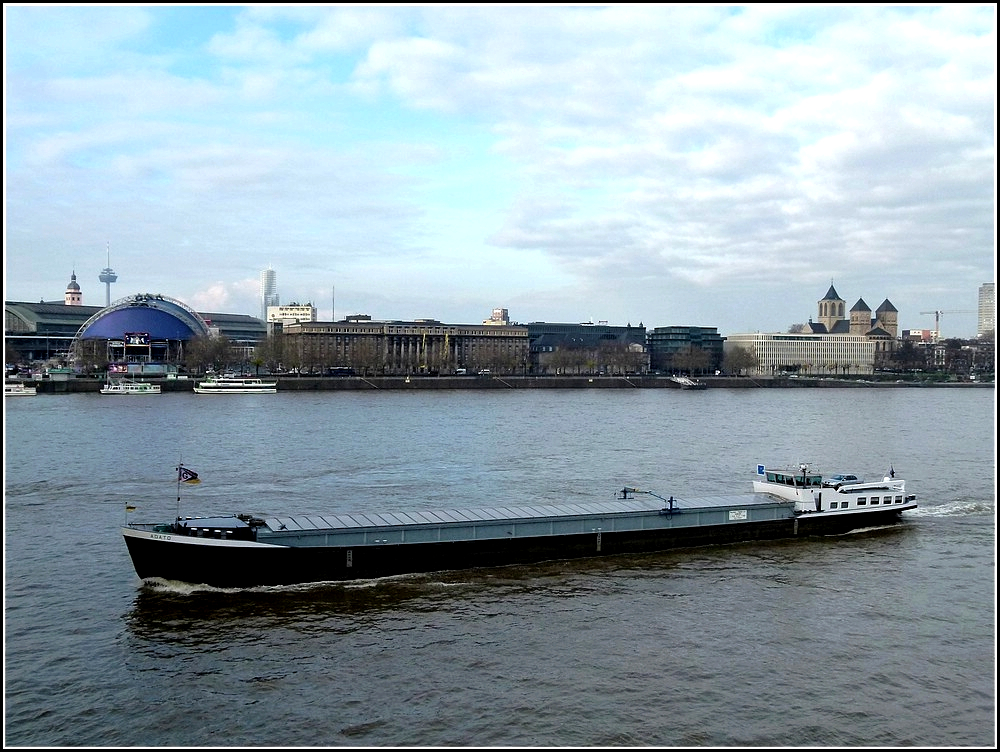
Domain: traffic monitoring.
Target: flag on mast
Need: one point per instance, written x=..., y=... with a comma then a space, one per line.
x=185, y=475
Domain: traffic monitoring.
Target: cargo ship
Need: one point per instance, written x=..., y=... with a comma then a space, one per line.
x=245, y=550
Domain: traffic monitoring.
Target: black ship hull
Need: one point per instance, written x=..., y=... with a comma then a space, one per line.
x=241, y=564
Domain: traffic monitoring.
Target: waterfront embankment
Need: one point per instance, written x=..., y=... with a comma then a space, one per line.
x=360, y=383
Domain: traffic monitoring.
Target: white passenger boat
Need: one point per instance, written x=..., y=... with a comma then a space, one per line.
x=128, y=386
x=235, y=385
x=17, y=389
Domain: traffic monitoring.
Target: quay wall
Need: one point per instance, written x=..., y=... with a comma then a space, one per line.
x=357, y=383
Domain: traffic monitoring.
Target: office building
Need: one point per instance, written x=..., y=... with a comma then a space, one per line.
x=670, y=348
x=268, y=291
x=987, y=310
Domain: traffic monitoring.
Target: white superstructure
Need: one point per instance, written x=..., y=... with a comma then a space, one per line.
x=811, y=496
x=17, y=389
x=235, y=385
x=127, y=386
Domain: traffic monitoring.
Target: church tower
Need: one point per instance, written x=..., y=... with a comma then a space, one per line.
x=830, y=309
x=73, y=295
x=861, y=318
x=887, y=317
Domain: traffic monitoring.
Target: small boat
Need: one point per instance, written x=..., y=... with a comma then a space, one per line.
x=128, y=386
x=235, y=385
x=17, y=389
x=246, y=550
x=687, y=383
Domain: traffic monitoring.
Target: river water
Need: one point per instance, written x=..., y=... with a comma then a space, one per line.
x=880, y=638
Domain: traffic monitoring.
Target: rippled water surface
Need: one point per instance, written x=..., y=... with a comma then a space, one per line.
x=881, y=638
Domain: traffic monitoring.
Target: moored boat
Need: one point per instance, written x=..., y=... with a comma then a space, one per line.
x=17, y=389
x=244, y=550
x=128, y=386
x=687, y=382
x=235, y=385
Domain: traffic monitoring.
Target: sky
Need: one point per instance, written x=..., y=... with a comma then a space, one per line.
x=654, y=164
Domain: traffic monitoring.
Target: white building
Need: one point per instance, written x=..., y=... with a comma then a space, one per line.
x=499, y=317
x=291, y=313
x=807, y=354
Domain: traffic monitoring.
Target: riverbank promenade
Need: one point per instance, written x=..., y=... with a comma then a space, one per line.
x=360, y=383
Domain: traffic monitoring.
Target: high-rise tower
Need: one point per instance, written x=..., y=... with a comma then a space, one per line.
x=268, y=291
x=987, y=310
x=107, y=277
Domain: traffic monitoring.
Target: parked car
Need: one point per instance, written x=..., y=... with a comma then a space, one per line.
x=835, y=481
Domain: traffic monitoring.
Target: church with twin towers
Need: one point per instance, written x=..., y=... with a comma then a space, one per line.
x=831, y=318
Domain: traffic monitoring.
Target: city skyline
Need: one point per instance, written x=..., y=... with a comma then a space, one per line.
x=985, y=293
x=674, y=165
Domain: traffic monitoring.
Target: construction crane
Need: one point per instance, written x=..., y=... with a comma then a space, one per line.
x=937, y=320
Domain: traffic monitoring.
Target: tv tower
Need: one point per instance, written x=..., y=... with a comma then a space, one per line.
x=107, y=277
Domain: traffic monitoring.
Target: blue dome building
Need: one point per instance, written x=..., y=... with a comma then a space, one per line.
x=142, y=329
x=46, y=332
x=160, y=317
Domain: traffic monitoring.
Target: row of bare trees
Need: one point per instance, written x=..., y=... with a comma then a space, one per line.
x=316, y=355
x=611, y=358
x=367, y=357
x=309, y=355
x=199, y=354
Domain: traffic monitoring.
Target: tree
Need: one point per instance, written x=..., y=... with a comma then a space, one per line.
x=739, y=359
x=10, y=355
x=366, y=356
x=562, y=359
x=270, y=352
x=691, y=360
x=209, y=353
x=613, y=357
x=908, y=357
x=91, y=354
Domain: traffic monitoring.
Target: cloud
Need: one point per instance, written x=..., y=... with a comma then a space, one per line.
x=660, y=156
